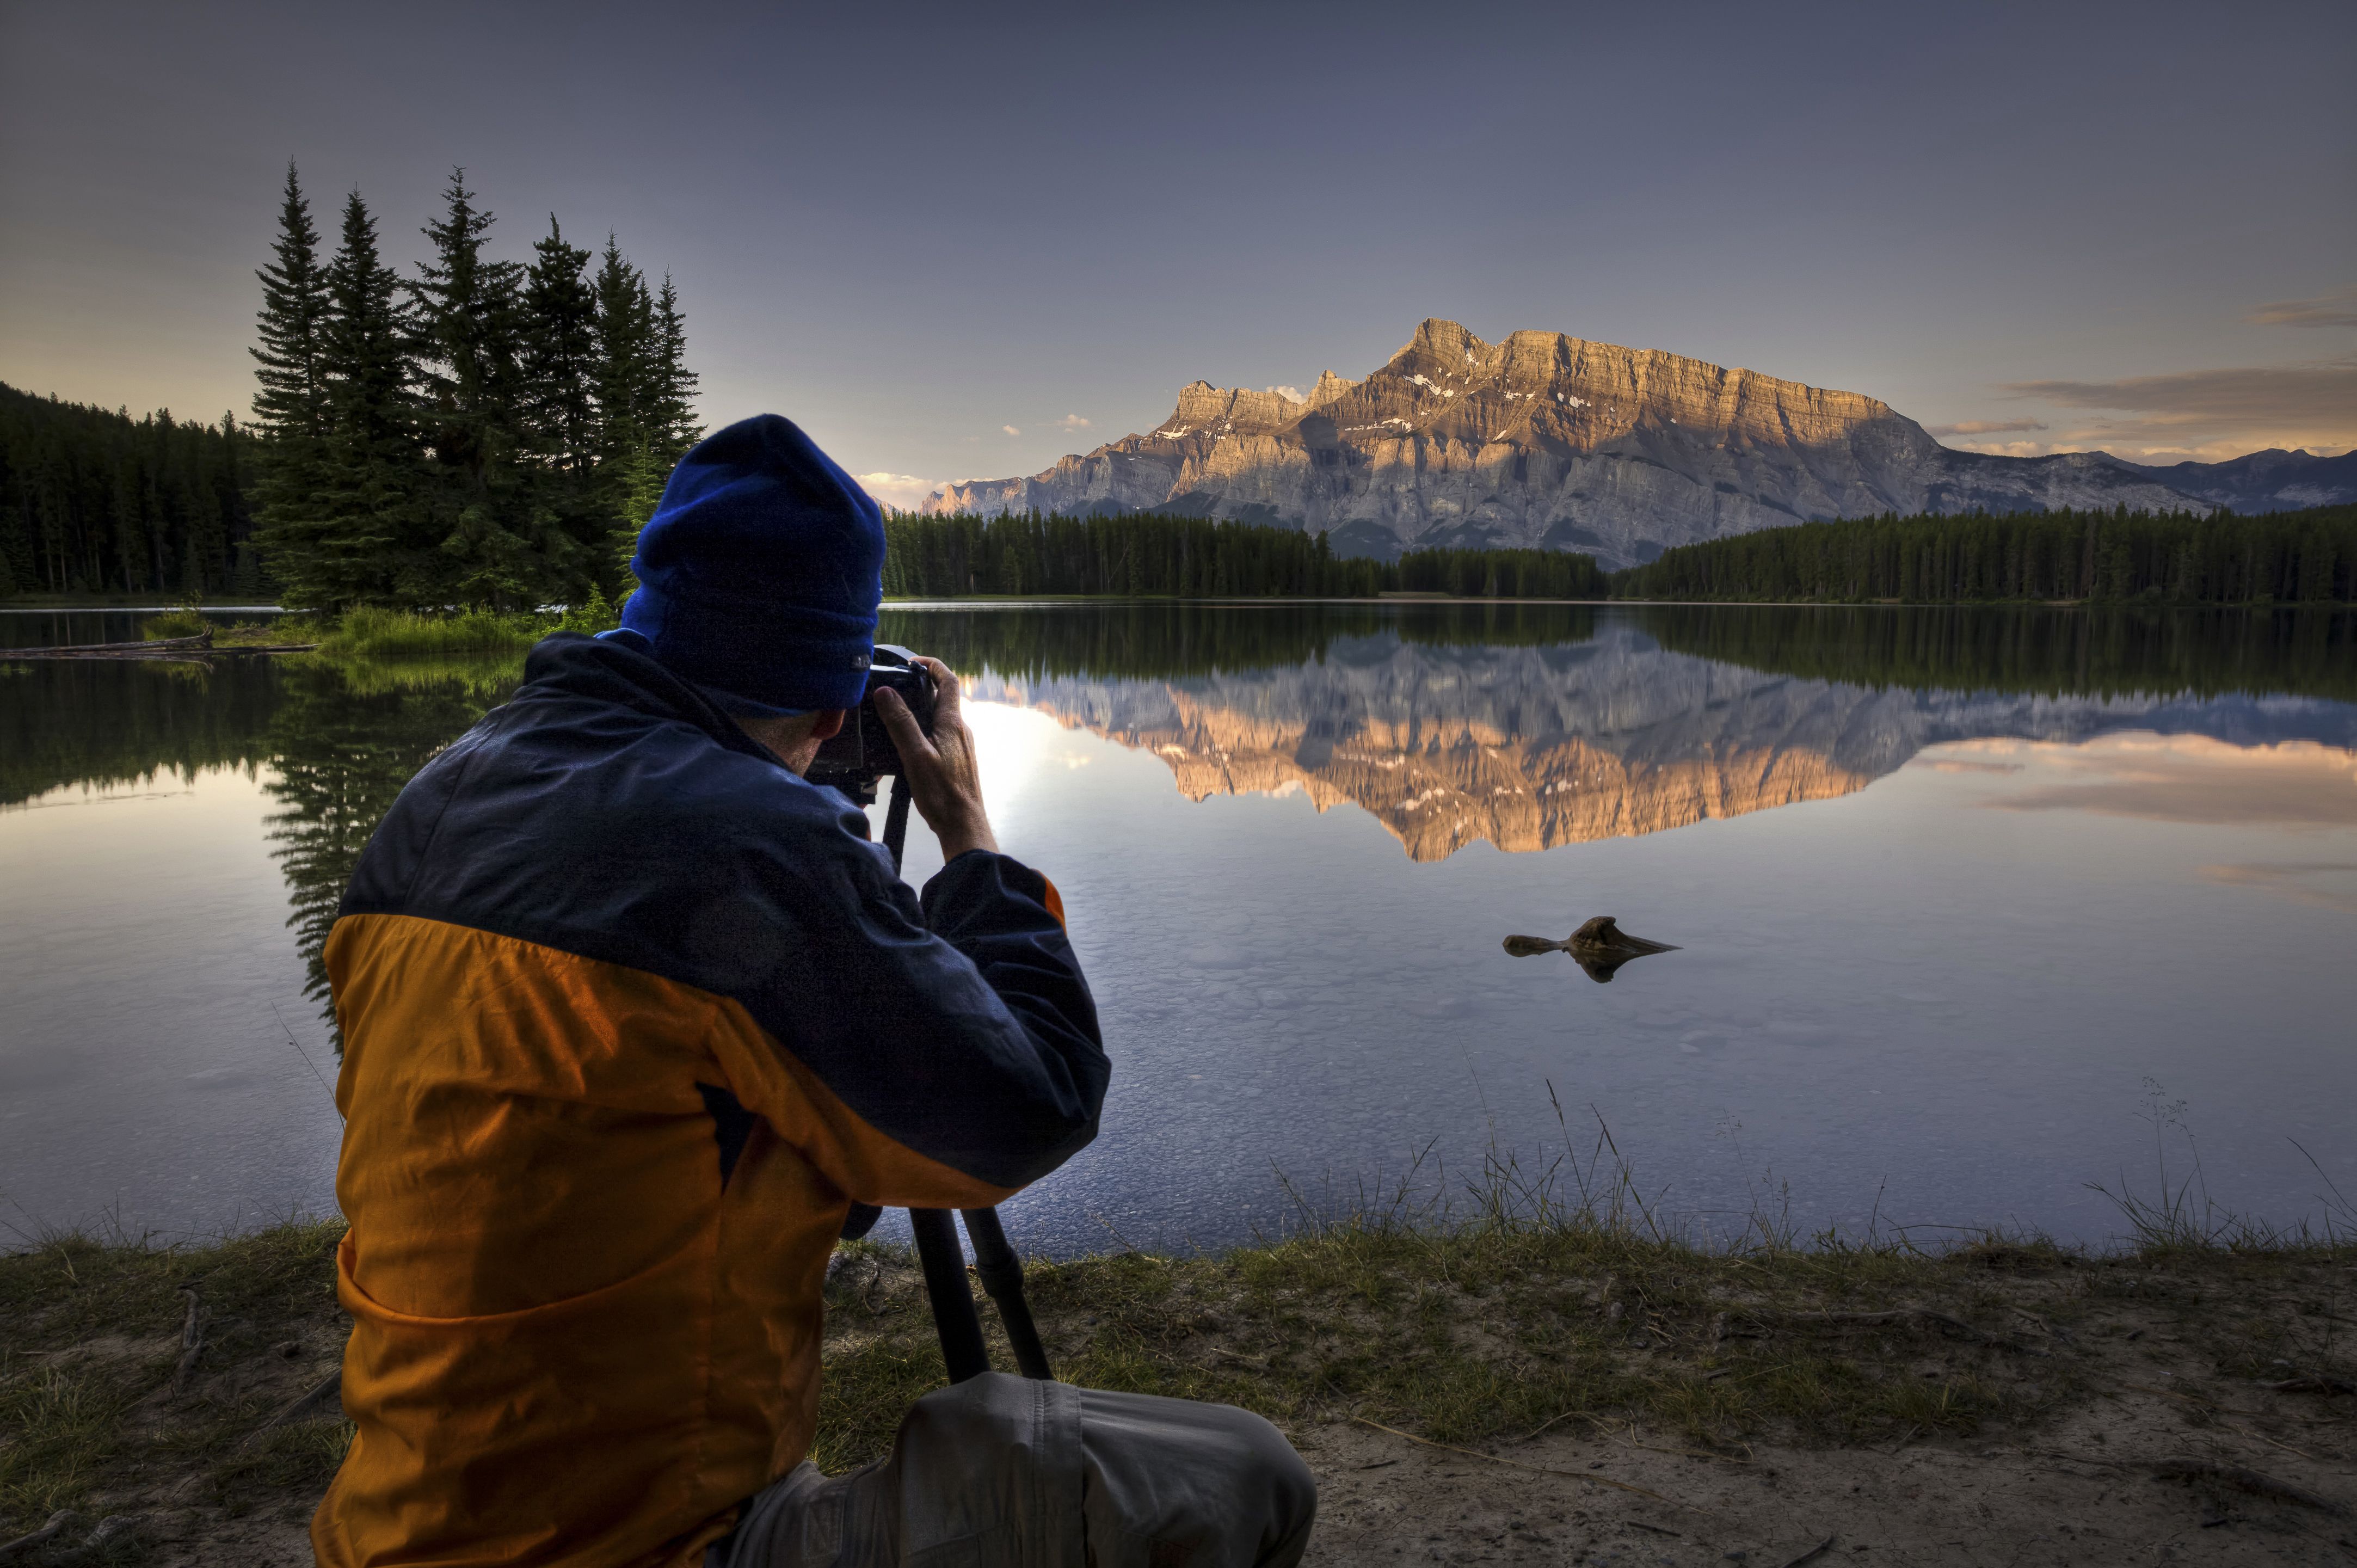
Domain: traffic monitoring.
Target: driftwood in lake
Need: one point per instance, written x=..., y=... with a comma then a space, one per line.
x=197, y=646
x=1598, y=947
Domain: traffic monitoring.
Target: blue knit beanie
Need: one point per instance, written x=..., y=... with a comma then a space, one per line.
x=759, y=573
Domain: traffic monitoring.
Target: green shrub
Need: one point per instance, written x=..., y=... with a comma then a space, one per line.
x=592, y=616
x=185, y=621
x=371, y=633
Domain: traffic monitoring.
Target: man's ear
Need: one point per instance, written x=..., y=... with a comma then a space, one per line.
x=830, y=724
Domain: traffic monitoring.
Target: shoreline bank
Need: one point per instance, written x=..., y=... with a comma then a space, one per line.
x=1517, y=1389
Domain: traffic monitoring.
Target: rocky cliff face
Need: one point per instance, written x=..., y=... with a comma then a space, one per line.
x=1549, y=441
x=1532, y=747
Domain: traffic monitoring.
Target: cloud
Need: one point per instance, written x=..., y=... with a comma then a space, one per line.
x=2011, y=448
x=1987, y=426
x=2208, y=413
x=2192, y=778
x=1010, y=430
x=2295, y=880
x=1953, y=764
x=2283, y=393
x=903, y=492
x=2338, y=308
x=1290, y=394
x=1071, y=422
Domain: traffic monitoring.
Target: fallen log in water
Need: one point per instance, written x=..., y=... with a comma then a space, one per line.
x=201, y=646
x=198, y=643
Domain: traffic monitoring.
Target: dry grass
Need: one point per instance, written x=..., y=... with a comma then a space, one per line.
x=1486, y=1333
x=1479, y=1332
x=1530, y=1298
x=93, y=1337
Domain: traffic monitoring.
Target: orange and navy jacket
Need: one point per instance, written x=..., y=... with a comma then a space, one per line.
x=631, y=1013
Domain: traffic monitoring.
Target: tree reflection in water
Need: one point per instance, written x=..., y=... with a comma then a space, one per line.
x=93, y=724
x=344, y=740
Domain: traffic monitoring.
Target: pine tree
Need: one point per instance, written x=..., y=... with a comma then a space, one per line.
x=242, y=574
x=625, y=334
x=631, y=463
x=672, y=385
x=501, y=543
x=559, y=405
x=466, y=338
x=291, y=408
x=369, y=547
x=560, y=356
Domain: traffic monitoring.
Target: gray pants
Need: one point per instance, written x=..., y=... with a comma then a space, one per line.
x=1004, y=1472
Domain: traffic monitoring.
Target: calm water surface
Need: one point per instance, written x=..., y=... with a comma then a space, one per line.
x=1965, y=902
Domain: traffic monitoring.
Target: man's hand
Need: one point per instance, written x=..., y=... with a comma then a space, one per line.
x=943, y=780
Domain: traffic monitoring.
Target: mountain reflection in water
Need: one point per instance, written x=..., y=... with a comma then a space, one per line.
x=1528, y=748
x=1526, y=726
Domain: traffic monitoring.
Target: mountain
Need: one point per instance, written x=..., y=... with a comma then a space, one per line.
x=1550, y=441
x=1527, y=748
x=2272, y=480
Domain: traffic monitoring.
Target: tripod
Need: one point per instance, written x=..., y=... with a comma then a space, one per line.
x=954, y=1317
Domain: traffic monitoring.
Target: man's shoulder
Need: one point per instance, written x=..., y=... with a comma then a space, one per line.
x=556, y=810
x=564, y=771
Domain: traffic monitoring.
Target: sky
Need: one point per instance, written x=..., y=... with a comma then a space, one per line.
x=960, y=242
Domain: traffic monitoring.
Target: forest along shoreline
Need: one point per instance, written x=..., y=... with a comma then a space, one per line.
x=1528, y=1387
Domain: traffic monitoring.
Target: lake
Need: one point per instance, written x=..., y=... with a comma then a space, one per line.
x=1973, y=908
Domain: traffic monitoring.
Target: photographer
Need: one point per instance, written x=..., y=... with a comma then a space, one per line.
x=632, y=1012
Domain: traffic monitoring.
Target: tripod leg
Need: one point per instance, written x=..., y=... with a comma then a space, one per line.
x=954, y=1317
x=895, y=819
x=1002, y=1276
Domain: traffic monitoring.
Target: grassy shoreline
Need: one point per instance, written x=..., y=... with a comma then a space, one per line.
x=1476, y=1336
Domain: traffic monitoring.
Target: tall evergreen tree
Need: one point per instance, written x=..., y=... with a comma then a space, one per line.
x=630, y=464
x=372, y=546
x=500, y=544
x=559, y=355
x=291, y=406
x=242, y=573
x=625, y=330
x=559, y=408
x=466, y=326
x=672, y=403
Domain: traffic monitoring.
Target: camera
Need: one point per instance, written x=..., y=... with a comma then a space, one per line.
x=863, y=752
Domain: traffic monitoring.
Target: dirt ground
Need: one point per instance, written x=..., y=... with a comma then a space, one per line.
x=2057, y=1410
x=1384, y=1500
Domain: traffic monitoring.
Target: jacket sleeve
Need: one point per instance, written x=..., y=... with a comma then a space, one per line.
x=1008, y=921
x=941, y=1064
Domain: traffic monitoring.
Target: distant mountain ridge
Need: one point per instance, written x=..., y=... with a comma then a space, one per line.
x=1556, y=442
x=2272, y=480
